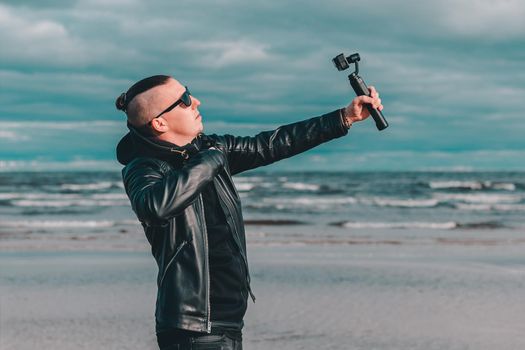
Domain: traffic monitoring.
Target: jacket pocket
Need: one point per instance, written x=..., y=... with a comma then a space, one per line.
x=173, y=258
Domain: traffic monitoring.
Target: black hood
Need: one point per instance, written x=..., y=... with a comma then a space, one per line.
x=135, y=144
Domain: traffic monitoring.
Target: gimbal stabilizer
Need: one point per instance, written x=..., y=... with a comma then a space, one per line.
x=358, y=84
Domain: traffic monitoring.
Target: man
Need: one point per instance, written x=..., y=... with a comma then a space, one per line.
x=179, y=183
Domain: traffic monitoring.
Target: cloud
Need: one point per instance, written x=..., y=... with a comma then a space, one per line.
x=218, y=54
x=63, y=83
x=451, y=73
x=44, y=39
x=485, y=19
x=30, y=39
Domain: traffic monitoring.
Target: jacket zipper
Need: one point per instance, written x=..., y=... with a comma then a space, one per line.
x=206, y=259
x=232, y=213
x=183, y=244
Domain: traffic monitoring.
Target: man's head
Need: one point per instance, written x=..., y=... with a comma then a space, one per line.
x=145, y=104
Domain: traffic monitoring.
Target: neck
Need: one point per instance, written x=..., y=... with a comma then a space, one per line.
x=177, y=140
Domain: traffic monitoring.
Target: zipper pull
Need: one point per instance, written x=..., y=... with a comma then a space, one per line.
x=183, y=153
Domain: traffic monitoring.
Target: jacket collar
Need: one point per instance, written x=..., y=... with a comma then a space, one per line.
x=135, y=144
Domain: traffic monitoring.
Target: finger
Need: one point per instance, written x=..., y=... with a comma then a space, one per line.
x=372, y=90
x=380, y=107
x=364, y=99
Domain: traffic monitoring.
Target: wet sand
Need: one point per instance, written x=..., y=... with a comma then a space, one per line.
x=415, y=294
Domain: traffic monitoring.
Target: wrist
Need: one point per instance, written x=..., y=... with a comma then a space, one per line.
x=347, y=121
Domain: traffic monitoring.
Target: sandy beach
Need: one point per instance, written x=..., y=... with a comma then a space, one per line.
x=370, y=292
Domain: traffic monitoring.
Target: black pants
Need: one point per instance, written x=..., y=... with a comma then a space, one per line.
x=219, y=339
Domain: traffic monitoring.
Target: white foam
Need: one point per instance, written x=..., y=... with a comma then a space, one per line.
x=56, y=224
x=504, y=186
x=75, y=165
x=404, y=203
x=122, y=196
x=244, y=187
x=311, y=201
x=60, y=196
x=30, y=196
x=490, y=207
x=10, y=135
x=92, y=186
x=4, y=196
x=69, y=203
x=473, y=185
x=400, y=225
x=509, y=207
x=473, y=207
x=301, y=186
x=481, y=198
x=239, y=179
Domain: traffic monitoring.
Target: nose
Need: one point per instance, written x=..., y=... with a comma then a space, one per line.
x=195, y=102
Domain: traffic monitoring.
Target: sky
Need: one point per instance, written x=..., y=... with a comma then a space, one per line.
x=451, y=75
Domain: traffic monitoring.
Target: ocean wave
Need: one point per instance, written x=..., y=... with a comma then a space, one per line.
x=69, y=203
x=241, y=179
x=301, y=186
x=10, y=135
x=304, y=201
x=402, y=203
x=59, y=199
x=247, y=186
x=504, y=186
x=509, y=207
x=32, y=196
x=66, y=166
x=472, y=185
x=482, y=225
x=481, y=198
x=273, y=222
x=473, y=207
x=399, y=225
x=244, y=187
x=122, y=196
x=491, y=207
x=57, y=224
x=103, y=185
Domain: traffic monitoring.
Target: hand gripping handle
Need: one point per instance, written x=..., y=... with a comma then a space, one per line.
x=360, y=88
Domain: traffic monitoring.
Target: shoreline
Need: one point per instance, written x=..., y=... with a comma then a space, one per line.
x=259, y=234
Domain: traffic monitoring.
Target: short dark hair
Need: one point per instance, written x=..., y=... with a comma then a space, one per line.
x=139, y=87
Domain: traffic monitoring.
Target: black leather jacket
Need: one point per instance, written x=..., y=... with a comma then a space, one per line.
x=164, y=186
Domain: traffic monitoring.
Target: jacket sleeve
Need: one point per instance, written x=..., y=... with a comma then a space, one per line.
x=245, y=153
x=158, y=195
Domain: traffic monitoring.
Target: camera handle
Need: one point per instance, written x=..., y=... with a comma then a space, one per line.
x=360, y=88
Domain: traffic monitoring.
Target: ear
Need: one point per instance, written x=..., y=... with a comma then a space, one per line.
x=160, y=125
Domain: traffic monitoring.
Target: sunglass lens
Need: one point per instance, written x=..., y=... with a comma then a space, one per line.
x=186, y=99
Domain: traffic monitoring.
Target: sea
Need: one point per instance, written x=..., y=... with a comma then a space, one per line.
x=307, y=205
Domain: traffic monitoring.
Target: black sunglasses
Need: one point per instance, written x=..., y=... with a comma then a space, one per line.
x=184, y=99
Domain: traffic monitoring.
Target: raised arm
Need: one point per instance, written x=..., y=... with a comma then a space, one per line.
x=245, y=153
